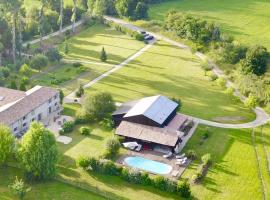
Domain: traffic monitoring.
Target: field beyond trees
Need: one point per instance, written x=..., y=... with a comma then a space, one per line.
x=247, y=20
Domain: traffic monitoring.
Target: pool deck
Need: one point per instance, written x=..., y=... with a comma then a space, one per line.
x=157, y=156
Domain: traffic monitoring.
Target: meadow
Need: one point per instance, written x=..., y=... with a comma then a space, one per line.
x=167, y=70
x=246, y=20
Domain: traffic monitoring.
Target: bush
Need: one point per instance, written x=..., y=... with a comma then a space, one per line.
x=206, y=159
x=38, y=62
x=230, y=91
x=103, y=55
x=68, y=127
x=221, y=82
x=83, y=162
x=112, y=147
x=107, y=123
x=80, y=91
x=212, y=76
x=139, y=37
x=85, y=130
x=191, y=154
x=53, y=55
x=77, y=64
x=206, y=133
x=81, y=117
x=251, y=101
x=183, y=188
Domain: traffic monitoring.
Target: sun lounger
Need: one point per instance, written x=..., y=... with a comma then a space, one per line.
x=182, y=159
x=180, y=156
x=138, y=148
x=175, y=173
x=168, y=155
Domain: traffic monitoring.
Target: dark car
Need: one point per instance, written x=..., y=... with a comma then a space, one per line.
x=149, y=37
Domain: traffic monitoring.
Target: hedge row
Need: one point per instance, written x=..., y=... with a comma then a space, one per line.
x=108, y=167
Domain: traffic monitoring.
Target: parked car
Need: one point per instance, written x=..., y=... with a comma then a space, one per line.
x=149, y=37
x=142, y=32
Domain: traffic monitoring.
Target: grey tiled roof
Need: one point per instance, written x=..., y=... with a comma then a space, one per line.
x=32, y=99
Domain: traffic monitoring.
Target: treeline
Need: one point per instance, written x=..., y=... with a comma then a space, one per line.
x=250, y=62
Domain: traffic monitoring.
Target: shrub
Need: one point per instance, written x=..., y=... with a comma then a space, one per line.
x=38, y=62
x=107, y=123
x=77, y=64
x=183, y=188
x=221, y=82
x=251, y=101
x=81, y=117
x=83, y=162
x=160, y=182
x=212, y=76
x=85, y=130
x=145, y=179
x=230, y=90
x=112, y=147
x=191, y=154
x=19, y=188
x=53, y=55
x=68, y=127
x=206, y=133
x=206, y=159
x=139, y=37
x=5, y=71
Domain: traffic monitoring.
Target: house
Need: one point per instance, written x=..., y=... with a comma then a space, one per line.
x=18, y=109
x=152, y=120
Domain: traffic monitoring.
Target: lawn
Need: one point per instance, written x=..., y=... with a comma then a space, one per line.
x=234, y=174
x=88, y=44
x=43, y=191
x=68, y=78
x=247, y=20
x=173, y=72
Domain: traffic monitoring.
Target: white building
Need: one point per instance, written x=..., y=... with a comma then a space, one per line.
x=18, y=109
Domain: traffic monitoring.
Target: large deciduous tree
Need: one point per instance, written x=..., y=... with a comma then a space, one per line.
x=38, y=153
x=74, y=15
x=98, y=106
x=6, y=144
x=255, y=61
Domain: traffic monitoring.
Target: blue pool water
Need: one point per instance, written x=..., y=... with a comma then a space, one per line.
x=148, y=165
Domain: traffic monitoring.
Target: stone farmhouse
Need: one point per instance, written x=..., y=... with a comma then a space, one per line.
x=18, y=109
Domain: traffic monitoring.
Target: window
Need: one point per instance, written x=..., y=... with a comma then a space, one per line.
x=24, y=124
x=50, y=110
x=55, y=96
x=15, y=129
x=39, y=116
x=24, y=117
x=55, y=104
x=33, y=119
x=50, y=100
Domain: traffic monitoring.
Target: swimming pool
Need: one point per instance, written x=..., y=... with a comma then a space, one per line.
x=148, y=165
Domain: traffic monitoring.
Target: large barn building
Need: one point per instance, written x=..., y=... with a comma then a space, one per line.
x=153, y=120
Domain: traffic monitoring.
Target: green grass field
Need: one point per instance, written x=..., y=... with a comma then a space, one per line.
x=247, y=20
x=68, y=77
x=167, y=70
x=234, y=174
x=43, y=191
x=88, y=44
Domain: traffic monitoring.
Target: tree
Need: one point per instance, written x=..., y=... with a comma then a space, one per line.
x=38, y=153
x=25, y=70
x=19, y=189
x=61, y=95
x=255, y=61
x=6, y=143
x=80, y=91
x=98, y=106
x=99, y=8
x=39, y=61
x=13, y=7
x=133, y=9
x=60, y=20
x=141, y=10
x=74, y=15
x=22, y=86
x=103, y=55
x=13, y=85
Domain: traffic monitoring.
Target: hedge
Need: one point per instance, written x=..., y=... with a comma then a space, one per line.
x=108, y=167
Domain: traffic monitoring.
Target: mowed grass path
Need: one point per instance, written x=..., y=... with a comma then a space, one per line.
x=88, y=44
x=43, y=191
x=247, y=20
x=173, y=72
x=234, y=174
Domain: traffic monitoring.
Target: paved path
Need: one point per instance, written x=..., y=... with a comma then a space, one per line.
x=78, y=23
x=261, y=116
x=70, y=98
